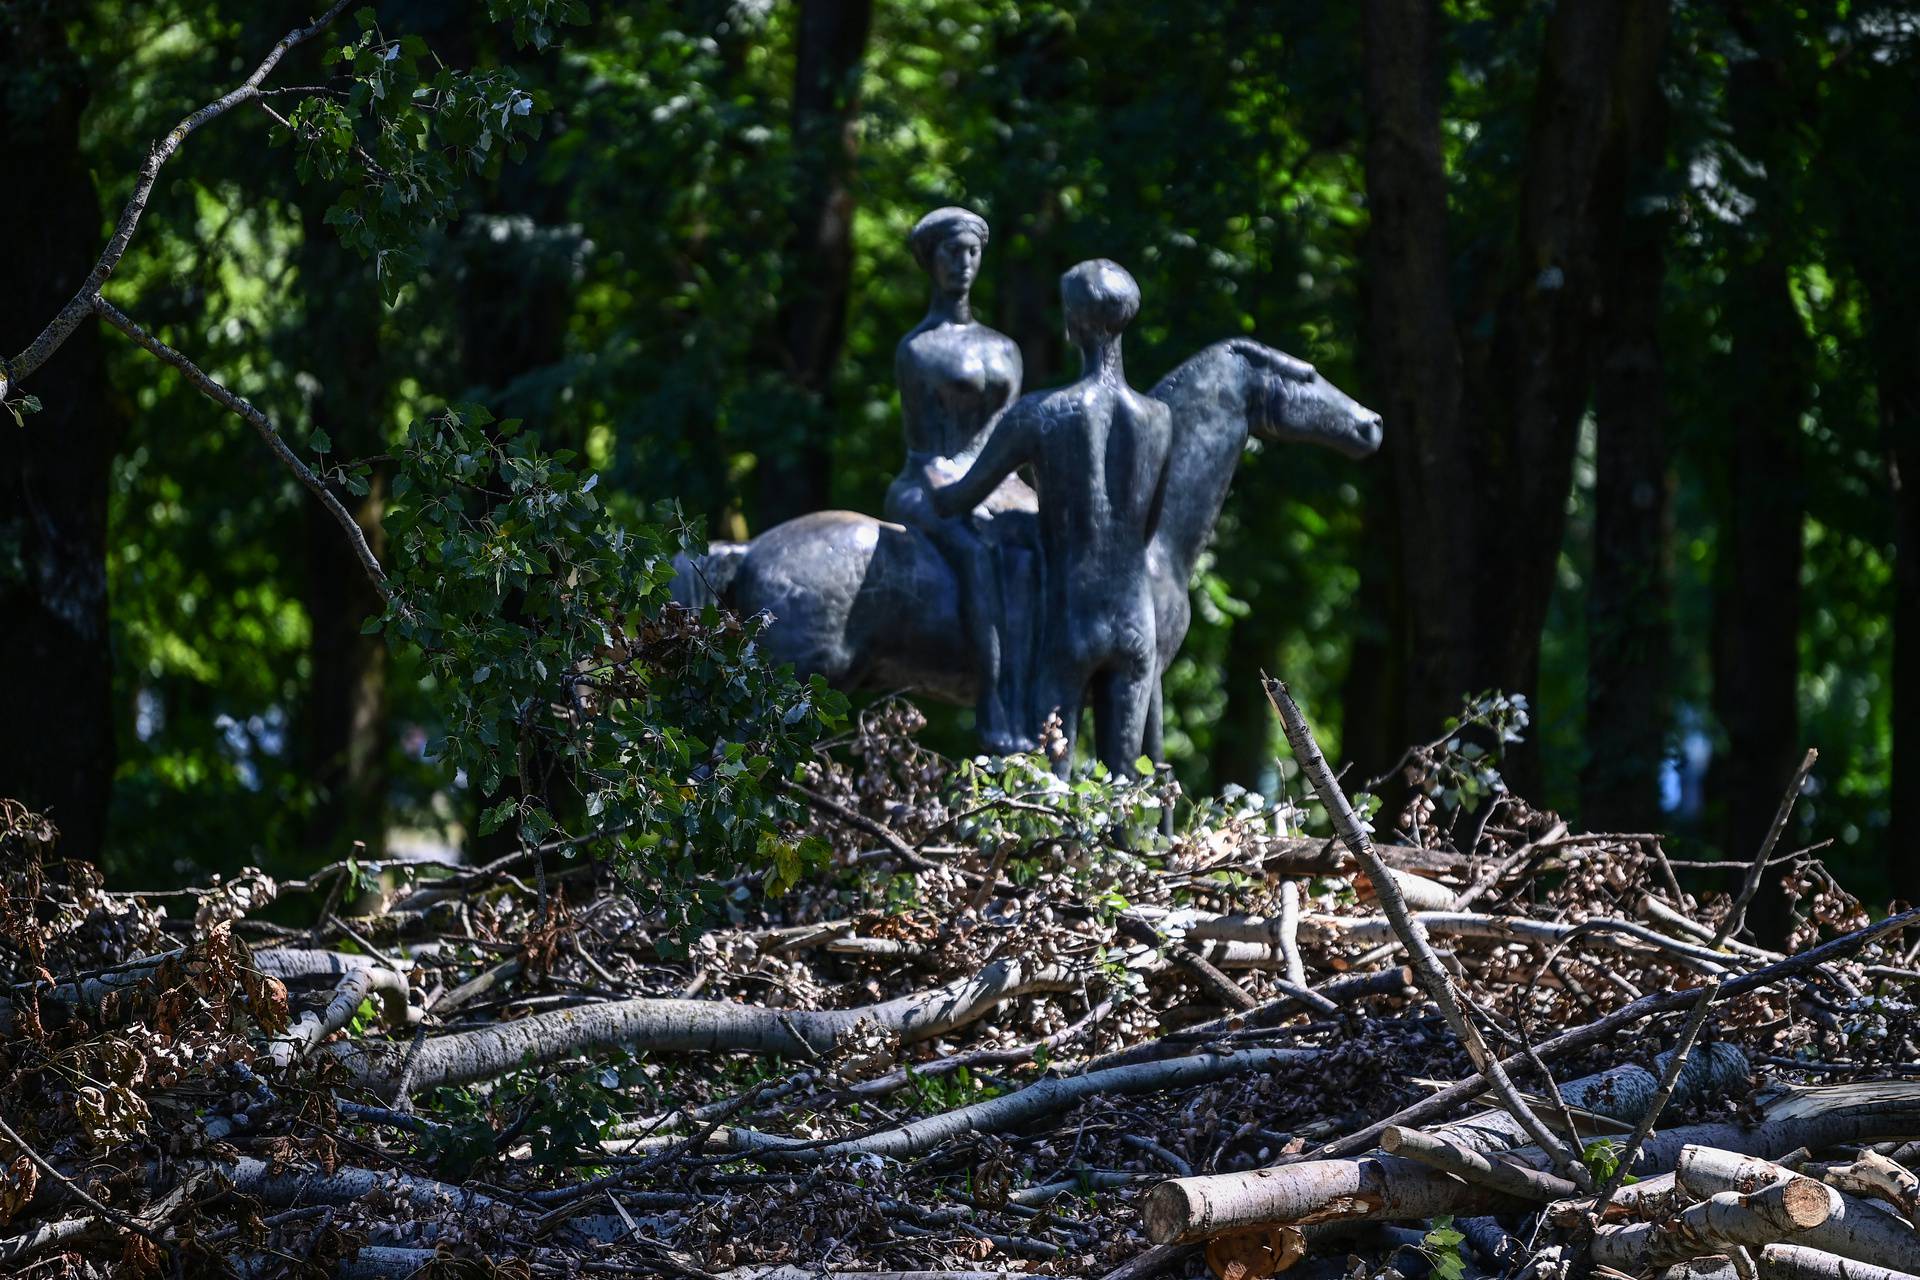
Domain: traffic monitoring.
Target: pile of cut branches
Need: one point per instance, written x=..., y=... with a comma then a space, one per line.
x=1012, y=1028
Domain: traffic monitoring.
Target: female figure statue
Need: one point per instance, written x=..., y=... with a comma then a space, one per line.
x=956, y=377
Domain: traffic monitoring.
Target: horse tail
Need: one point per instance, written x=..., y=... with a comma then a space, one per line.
x=701, y=580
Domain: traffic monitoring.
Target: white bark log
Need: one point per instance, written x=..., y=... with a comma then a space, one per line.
x=1857, y=1229
x=315, y=1025
x=1798, y=1262
x=693, y=1025
x=1717, y=1223
x=1386, y=1187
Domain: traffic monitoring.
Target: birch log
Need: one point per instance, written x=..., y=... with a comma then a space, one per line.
x=1798, y=1262
x=688, y=1025
x=1717, y=1223
x=1386, y=1187
x=1856, y=1229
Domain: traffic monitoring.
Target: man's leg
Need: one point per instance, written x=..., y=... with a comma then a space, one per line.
x=1060, y=690
x=1123, y=699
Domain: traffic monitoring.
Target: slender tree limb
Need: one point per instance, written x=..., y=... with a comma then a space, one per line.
x=1751, y=885
x=1426, y=965
x=79, y=1193
x=87, y=297
x=356, y=536
x=1288, y=938
x=1676, y=1063
x=1472, y=1166
x=1045, y=1097
x=1603, y=1029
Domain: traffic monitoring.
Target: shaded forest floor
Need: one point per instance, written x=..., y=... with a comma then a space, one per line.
x=1004, y=1031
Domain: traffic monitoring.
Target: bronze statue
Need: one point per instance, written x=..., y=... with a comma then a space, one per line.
x=956, y=377
x=943, y=603
x=1098, y=450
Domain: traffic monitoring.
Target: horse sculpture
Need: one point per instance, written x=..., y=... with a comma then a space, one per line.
x=870, y=604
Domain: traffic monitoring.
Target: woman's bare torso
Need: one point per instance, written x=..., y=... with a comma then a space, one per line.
x=955, y=380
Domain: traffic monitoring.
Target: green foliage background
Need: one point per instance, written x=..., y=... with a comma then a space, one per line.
x=630, y=265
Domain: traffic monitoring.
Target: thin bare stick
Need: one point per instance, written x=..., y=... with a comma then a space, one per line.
x=1749, y=887
x=111, y=1214
x=1289, y=938
x=1689, y=1032
x=81, y=305
x=264, y=425
x=1426, y=965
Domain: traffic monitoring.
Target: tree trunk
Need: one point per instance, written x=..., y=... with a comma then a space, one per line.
x=1756, y=604
x=1243, y=737
x=1414, y=356
x=831, y=38
x=1895, y=322
x=1628, y=601
x=1533, y=388
x=345, y=733
x=56, y=702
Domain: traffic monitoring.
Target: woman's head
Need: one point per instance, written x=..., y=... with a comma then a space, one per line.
x=947, y=244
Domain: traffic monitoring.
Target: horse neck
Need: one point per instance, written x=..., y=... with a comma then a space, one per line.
x=1209, y=401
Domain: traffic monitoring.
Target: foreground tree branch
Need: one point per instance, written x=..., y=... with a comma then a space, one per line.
x=1426, y=965
x=268, y=432
x=88, y=295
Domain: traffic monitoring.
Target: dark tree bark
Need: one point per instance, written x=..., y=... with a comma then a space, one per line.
x=1894, y=325
x=56, y=700
x=1535, y=387
x=1628, y=595
x=1414, y=358
x=1481, y=434
x=345, y=733
x=1245, y=729
x=831, y=39
x=1756, y=654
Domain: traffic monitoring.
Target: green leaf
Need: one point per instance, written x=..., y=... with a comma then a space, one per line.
x=320, y=441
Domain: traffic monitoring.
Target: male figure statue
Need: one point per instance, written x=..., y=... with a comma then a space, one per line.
x=1098, y=450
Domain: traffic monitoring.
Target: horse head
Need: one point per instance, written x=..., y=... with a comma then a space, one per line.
x=1289, y=402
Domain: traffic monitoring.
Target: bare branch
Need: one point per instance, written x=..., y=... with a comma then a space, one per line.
x=81, y=305
x=268, y=432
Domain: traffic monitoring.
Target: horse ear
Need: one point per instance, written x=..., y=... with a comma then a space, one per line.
x=1270, y=360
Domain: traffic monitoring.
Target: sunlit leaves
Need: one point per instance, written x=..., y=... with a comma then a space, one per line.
x=570, y=677
x=401, y=129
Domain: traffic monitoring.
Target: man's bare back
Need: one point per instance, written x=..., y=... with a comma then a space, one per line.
x=1098, y=450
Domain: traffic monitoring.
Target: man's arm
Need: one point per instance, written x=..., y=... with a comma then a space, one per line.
x=1009, y=444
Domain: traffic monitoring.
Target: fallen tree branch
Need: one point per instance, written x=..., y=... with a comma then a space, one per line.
x=1602, y=1029
x=1715, y=1224
x=316, y=1025
x=1856, y=1229
x=1798, y=1262
x=665, y=1024
x=1426, y=965
x=1435, y=1152
x=1013, y=1109
x=1387, y=1187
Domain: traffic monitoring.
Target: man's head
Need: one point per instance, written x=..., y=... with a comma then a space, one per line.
x=1100, y=300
